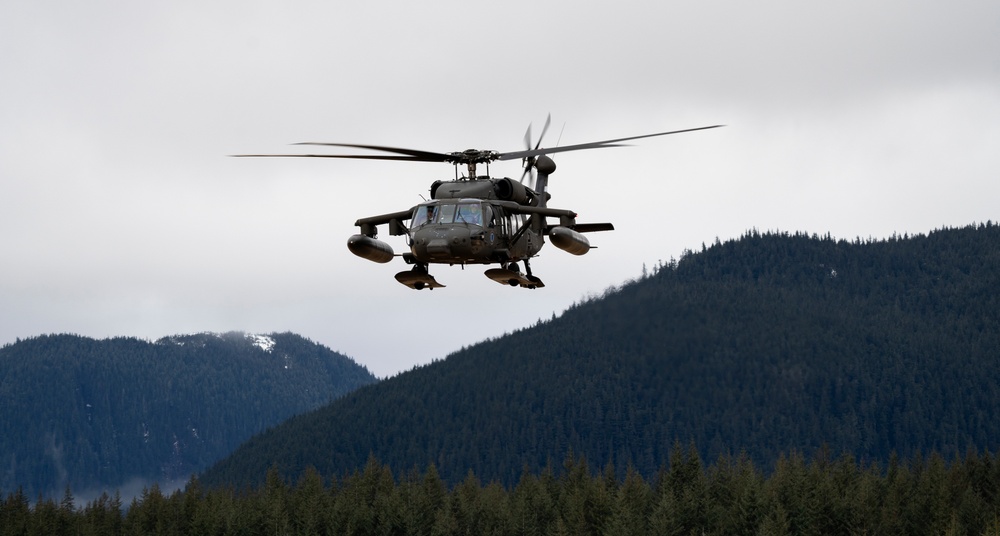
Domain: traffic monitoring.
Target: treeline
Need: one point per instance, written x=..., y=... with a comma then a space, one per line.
x=819, y=496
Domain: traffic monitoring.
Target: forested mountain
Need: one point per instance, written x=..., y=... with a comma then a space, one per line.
x=771, y=343
x=95, y=414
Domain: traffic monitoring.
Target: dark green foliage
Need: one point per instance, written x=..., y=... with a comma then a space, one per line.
x=93, y=414
x=819, y=496
x=770, y=343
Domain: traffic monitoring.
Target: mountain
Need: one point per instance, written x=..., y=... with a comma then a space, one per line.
x=88, y=413
x=768, y=344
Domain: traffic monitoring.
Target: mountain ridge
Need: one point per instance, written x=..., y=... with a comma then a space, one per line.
x=770, y=343
x=89, y=413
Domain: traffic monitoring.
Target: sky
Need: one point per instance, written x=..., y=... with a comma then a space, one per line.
x=122, y=215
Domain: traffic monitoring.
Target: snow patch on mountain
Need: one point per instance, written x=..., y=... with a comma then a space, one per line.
x=262, y=341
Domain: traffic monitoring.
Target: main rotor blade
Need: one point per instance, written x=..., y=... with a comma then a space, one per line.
x=409, y=155
x=465, y=157
x=352, y=156
x=592, y=145
x=425, y=156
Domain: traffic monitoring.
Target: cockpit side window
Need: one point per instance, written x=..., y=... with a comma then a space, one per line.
x=488, y=216
x=423, y=214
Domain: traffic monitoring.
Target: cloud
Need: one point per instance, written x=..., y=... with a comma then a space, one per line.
x=120, y=213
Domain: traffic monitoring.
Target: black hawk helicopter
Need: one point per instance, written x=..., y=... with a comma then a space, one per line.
x=476, y=219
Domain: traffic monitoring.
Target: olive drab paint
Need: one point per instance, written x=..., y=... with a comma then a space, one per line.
x=476, y=219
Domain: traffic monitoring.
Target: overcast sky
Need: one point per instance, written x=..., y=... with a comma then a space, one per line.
x=121, y=215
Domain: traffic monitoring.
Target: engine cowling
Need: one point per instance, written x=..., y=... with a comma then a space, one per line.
x=569, y=240
x=511, y=190
x=369, y=248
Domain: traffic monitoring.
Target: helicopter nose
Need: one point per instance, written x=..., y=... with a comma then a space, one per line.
x=438, y=247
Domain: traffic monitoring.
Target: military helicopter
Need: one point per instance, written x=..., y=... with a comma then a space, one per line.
x=476, y=219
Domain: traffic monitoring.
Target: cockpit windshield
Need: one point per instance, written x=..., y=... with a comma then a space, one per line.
x=471, y=213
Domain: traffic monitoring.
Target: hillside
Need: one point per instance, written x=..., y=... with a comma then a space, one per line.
x=770, y=343
x=96, y=414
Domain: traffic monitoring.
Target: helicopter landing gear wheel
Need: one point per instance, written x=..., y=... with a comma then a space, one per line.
x=533, y=282
x=418, y=278
x=510, y=274
x=514, y=281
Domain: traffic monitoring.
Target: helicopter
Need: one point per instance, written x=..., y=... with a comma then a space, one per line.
x=476, y=219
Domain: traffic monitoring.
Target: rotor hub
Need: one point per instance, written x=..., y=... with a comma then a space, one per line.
x=473, y=156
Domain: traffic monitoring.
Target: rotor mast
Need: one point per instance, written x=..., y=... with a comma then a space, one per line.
x=471, y=157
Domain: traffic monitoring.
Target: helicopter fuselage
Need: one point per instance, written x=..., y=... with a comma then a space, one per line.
x=474, y=221
x=469, y=231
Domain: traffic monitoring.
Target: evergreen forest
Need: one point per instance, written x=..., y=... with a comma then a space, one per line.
x=822, y=496
x=768, y=344
x=97, y=414
x=838, y=387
